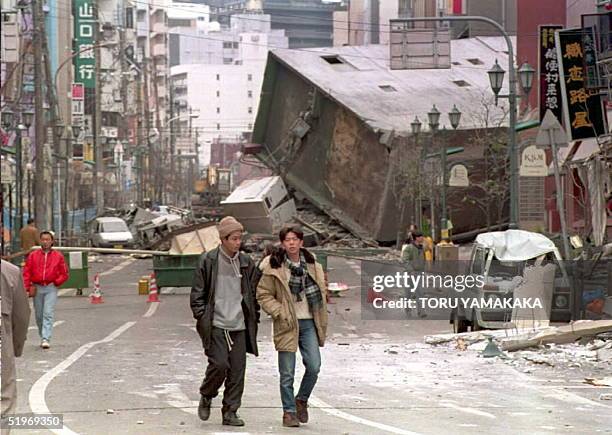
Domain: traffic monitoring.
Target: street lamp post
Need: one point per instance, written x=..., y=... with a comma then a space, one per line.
x=454, y=117
x=415, y=126
x=511, y=100
x=434, y=122
x=26, y=121
x=29, y=172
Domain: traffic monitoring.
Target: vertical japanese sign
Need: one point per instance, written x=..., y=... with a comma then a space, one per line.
x=583, y=111
x=84, y=33
x=590, y=58
x=548, y=72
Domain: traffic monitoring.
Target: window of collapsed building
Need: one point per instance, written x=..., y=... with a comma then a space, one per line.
x=387, y=88
x=338, y=63
x=475, y=61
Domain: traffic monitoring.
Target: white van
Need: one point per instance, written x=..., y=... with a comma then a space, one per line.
x=110, y=232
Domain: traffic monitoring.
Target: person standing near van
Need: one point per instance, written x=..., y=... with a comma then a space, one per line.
x=45, y=270
x=292, y=290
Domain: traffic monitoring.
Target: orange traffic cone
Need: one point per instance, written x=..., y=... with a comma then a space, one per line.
x=153, y=296
x=96, y=296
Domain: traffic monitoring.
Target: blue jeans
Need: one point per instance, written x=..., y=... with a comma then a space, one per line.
x=44, y=308
x=311, y=357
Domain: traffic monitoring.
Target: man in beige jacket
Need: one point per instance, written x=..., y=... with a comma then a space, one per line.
x=292, y=290
x=15, y=321
x=29, y=236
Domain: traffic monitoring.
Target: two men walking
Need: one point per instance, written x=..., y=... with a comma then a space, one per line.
x=290, y=286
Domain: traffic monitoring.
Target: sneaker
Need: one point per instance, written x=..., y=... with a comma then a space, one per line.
x=204, y=408
x=290, y=419
x=230, y=418
x=45, y=344
x=302, y=410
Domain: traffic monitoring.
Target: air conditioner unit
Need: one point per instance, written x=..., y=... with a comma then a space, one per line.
x=8, y=18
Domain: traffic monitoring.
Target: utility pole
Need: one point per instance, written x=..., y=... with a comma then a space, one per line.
x=147, y=122
x=98, y=172
x=40, y=185
x=124, y=98
x=140, y=154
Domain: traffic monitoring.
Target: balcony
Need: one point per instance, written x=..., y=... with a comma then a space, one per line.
x=159, y=50
x=159, y=27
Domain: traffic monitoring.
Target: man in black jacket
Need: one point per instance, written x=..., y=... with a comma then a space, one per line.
x=224, y=305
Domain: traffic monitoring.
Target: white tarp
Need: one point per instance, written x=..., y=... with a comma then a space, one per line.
x=516, y=245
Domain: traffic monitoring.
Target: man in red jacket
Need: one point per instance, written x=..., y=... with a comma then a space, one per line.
x=44, y=272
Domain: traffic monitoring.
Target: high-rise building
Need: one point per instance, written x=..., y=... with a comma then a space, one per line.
x=230, y=62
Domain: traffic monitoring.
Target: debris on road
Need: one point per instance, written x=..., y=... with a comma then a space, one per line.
x=560, y=335
x=605, y=382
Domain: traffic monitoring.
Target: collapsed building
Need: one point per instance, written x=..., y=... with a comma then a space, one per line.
x=332, y=122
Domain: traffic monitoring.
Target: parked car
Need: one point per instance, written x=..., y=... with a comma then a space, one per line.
x=501, y=257
x=110, y=232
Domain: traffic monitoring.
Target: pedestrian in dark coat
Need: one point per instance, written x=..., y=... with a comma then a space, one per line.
x=225, y=307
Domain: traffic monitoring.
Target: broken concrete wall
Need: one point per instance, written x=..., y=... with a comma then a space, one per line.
x=338, y=164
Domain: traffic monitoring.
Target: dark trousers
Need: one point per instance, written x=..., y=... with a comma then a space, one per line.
x=225, y=365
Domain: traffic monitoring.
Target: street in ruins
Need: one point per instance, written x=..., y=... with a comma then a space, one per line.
x=131, y=367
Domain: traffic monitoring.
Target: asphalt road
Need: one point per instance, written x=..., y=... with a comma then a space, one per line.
x=130, y=367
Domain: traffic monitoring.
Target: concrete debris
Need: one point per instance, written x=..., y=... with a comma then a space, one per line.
x=605, y=382
x=110, y=411
x=560, y=335
x=536, y=358
x=589, y=352
x=461, y=344
x=605, y=397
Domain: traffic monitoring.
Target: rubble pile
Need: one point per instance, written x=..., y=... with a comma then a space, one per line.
x=593, y=356
x=330, y=233
x=588, y=349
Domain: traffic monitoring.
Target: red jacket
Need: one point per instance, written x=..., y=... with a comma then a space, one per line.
x=45, y=268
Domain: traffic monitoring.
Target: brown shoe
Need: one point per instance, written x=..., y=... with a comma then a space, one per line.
x=302, y=410
x=290, y=419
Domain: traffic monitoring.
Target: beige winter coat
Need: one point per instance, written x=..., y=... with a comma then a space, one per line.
x=275, y=298
x=15, y=321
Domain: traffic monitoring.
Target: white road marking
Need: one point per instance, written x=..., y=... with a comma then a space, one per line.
x=560, y=393
x=37, y=392
x=468, y=410
x=59, y=322
x=152, y=309
x=328, y=409
x=118, y=267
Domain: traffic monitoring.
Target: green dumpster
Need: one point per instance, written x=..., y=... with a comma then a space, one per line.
x=78, y=269
x=174, y=270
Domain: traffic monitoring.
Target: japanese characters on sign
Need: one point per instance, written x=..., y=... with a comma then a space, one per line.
x=583, y=111
x=590, y=58
x=550, y=87
x=533, y=162
x=84, y=34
